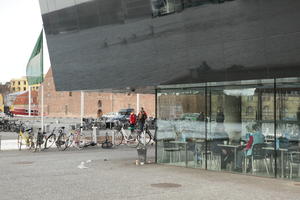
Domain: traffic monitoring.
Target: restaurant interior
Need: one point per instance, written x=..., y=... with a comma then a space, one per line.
x=250, y=127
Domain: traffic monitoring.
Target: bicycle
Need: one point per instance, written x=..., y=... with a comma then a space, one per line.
x=60, y=142
x=133, y=138
x=50, y=140
x=40, y=139
x=78, y=140
x=26, y=137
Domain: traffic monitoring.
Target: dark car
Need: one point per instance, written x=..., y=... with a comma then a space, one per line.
x=123, y=117
x=124, y=114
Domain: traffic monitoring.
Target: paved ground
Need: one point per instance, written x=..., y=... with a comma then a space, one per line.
x=55, y=175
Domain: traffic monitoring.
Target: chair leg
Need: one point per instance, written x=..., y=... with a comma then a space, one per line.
x=291, y=170
x=252, y=165
x=245, y=164
x=266, y=165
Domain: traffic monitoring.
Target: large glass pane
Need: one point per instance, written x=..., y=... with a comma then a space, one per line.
x=238, y=127
x=181, y=127
x=288, y=129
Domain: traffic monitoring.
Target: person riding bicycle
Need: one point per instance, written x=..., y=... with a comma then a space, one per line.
x=132, y=121
x=142, y=116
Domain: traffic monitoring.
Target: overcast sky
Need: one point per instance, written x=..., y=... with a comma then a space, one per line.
x=21, y=23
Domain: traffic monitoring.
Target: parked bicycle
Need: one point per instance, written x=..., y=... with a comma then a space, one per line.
x=26, y=138
x=78, y=140
x=40, y=140
x=131, y=138
x=61, y=141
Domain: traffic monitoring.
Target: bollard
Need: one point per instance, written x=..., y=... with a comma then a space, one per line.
x=0, y=141
x=95, y=134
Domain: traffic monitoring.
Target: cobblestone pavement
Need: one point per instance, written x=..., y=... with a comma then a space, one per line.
x=96, y=173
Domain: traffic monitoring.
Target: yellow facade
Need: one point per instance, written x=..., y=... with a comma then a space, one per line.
x=1, y=103
x=21, y=84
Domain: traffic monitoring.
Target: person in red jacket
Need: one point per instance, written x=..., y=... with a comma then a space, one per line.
x=132, y=121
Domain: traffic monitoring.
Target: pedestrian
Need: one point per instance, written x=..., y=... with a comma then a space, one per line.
x=220, y=116
x=142, y=116
x=132, y=121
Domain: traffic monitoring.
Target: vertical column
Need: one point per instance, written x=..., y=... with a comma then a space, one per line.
x=81, y=108
x=275, y=126
x=112, y=102
x=42, y=108
x=137, y=103
x=155, y=133
x=29, y=101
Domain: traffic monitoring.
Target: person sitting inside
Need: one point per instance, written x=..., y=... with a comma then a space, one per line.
x=254, y=137
x=219, y=136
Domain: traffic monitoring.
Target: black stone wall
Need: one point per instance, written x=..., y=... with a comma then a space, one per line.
x=119, y=43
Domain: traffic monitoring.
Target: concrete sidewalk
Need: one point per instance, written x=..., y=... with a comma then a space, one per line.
x=112, y=174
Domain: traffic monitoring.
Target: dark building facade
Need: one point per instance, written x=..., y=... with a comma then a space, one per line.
x=226, y=72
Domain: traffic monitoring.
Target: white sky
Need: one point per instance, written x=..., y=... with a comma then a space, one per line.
x=21, y=23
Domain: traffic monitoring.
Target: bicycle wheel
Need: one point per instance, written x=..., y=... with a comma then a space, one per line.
x=147, y=138
x=20, y=142
x=118, y=138
x=132, y=140
x=50, y=141
x=31, y=143
x=70, y=140
x=61, y=142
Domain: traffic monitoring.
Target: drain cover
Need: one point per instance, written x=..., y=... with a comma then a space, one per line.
x=297, y=184
x=23, y=163
x=166, y=185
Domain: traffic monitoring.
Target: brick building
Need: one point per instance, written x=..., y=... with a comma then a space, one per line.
x=67, y=104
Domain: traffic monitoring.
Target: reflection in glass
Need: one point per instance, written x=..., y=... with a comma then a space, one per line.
x=181, y=127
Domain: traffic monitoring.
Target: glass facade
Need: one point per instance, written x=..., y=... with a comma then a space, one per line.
x=250, y=127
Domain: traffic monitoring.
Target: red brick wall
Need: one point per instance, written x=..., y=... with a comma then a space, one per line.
x=67, y=104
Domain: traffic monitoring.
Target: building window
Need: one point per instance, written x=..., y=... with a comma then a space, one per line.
x=24, y=88
x=99, y=103
x=24, y=82
x=19, y=82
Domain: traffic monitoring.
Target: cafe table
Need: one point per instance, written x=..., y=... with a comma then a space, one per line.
x=282, y=151
x=234, y=147
x=184, y=143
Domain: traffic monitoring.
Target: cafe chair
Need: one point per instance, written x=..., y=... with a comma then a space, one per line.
x=172, y=150
x=259, y=154
x=294, y=159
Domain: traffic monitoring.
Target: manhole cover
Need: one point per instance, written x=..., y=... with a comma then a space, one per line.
x=23, y=163
x=297, y=184
x=166, y=185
